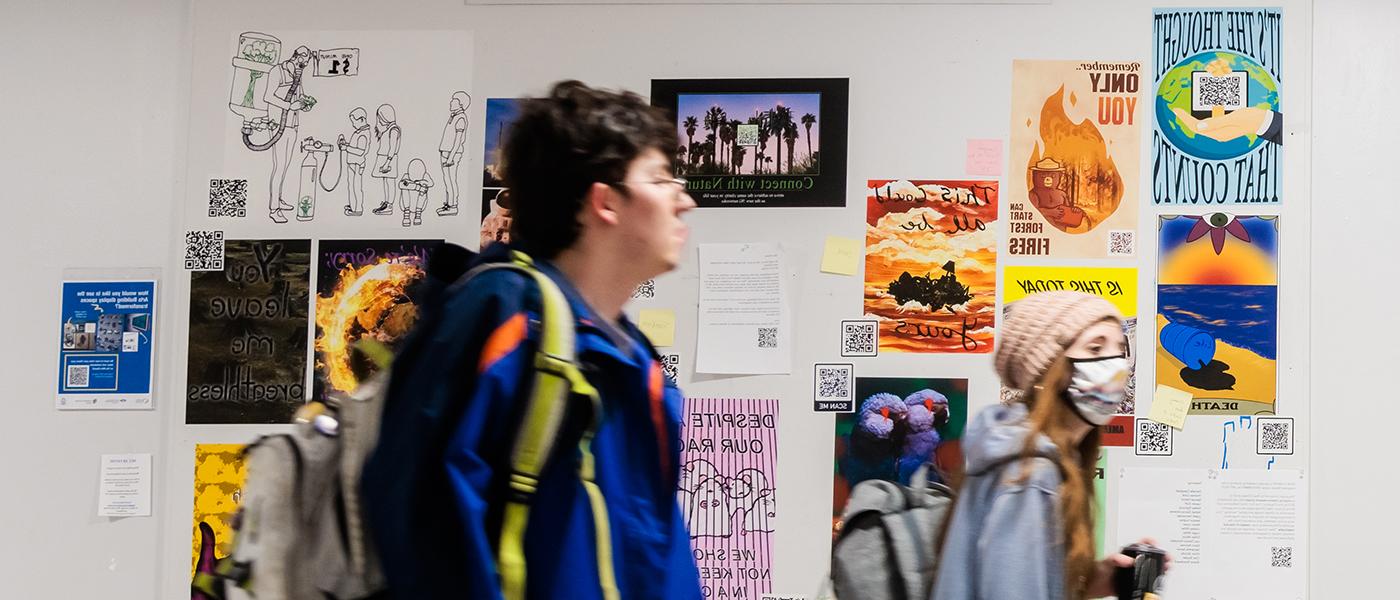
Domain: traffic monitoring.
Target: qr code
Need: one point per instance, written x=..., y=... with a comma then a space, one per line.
x=204, y=250
x=858, y=338
x=1281, y=556
x=767, y=337
x=1122, y=242
x=228, y=197
x=1153, y=438
x=1226, y=91
x=670, y=366
x=77, y=376
x=1275, y=435
x=834, y=381
x=646, y=290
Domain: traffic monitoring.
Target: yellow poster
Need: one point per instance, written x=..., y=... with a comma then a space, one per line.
x=218, y=486
x=1117, y=285
x=1072, y=180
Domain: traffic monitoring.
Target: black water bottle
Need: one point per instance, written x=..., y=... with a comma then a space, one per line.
x=1142, y=580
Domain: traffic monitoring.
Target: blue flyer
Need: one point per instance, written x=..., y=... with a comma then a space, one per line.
x=105, y=356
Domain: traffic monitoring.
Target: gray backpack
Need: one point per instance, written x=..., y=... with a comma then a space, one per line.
x=886, y=549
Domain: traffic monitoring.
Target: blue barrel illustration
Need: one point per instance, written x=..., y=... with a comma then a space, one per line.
x=1191, y=346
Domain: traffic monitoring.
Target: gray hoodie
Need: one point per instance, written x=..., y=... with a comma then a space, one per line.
x=1004, y=540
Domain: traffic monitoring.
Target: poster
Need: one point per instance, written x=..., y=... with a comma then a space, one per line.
x=1217, y=77
x=1117, y=285
x=363, y=288
x=248, y=334
x=930, y=264
x=728, y=492
x=759, y=142
x=1075, y=141
x=745, y=325
x=900, y=423
x=495, y=198
x=341, y=126
x=1217, y=311
x=219, y=474
x=106, y=336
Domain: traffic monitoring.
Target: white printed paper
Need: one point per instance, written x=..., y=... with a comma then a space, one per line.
x=1234, y=534
x=744, y=323
x=124, y=489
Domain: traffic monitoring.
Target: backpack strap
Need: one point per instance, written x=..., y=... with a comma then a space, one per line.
x=556, y=380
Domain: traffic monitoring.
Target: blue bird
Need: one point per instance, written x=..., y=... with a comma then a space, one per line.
x=876, y=439
x=927, y=411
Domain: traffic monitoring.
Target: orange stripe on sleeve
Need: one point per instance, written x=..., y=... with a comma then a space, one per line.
x=505, y=338
x=656, y=390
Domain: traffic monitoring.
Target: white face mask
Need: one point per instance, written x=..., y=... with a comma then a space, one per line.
x=1097, y=387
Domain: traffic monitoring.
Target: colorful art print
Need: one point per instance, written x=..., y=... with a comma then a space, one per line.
x=106, y=335
x=930, y=264
x=728, y=492
x=219, y=474
x=1116, y=284
x=363, y=288
x=900, y=424
x=1075, y=138
x=1218, y=121
x=1217, y=311
x=495, y=198
x=248, y=334
x=759, y=142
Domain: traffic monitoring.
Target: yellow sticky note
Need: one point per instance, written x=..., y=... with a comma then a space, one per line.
x=841, y=255
x=1169, y=405
x=659, y=325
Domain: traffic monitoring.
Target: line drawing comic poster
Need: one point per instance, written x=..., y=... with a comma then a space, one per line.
x=1217, y=311
x=759, y=142
x=219, y=474
x=345, y=126
x=1217, y=78
x=930, y=264
x=495, y=198
x=728, y=492
x=106, y=333
x=1075, y=142
x=248, y=334
x=900, y=423
x=1116, y=284
x=363, y=288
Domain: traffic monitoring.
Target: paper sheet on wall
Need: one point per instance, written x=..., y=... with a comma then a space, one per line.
x=744, y=323
x=1234, y=534
x=124, y=486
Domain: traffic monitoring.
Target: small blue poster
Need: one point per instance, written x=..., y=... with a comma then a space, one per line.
x=105, y=353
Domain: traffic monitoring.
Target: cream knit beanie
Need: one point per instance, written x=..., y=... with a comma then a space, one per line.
x=1037, y=329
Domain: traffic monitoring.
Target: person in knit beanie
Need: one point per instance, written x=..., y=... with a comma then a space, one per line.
x=1023, y=523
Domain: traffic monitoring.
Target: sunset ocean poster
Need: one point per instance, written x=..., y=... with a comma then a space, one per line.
x=1076, y=136
x=1217, y=311
x=930, y=264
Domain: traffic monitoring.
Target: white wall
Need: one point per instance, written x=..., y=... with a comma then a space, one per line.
x=96, y=94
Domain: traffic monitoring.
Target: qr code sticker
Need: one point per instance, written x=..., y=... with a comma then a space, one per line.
x=77, y=376
x=833, y=388
x=1122, y=242
x=1227, y=91
x=1281, y=557
x=646, y=290
x=670, y=366
x=228, y=197
x=1153, y=438
x=859, y=338
x=767, y=337
x=204, y=250
x=1275, y=435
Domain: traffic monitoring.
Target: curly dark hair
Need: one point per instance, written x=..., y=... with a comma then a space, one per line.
x=562, y=144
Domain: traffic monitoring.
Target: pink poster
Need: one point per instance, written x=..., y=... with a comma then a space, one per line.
x=729, y=459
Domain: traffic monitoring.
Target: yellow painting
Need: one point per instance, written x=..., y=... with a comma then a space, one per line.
x=219, y=473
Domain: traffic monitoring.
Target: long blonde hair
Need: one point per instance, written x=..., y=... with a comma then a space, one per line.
x=1078, y=464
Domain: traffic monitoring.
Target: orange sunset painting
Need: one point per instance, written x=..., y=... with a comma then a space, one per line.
x=930, y=264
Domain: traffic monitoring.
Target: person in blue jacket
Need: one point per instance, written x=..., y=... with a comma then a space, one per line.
x=598, y=207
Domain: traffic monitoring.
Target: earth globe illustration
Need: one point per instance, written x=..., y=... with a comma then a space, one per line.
x=1175, y=92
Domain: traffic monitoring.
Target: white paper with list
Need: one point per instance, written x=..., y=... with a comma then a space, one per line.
x=124, y=487
x=744, y=324
x=1234, y=534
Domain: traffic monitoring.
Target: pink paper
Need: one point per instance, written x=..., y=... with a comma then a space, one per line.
x=984, y=157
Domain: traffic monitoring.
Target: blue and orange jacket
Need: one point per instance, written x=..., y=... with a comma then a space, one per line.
x=490, y=326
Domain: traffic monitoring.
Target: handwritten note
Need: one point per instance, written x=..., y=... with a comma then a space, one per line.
x=984, y=157
x=841, y=255
x=1169, y=406
x=659, y=325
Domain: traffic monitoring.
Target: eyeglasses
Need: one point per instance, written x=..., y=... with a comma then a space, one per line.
x=661, y=181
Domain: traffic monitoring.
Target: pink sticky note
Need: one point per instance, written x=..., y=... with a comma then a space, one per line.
x=984, y=157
